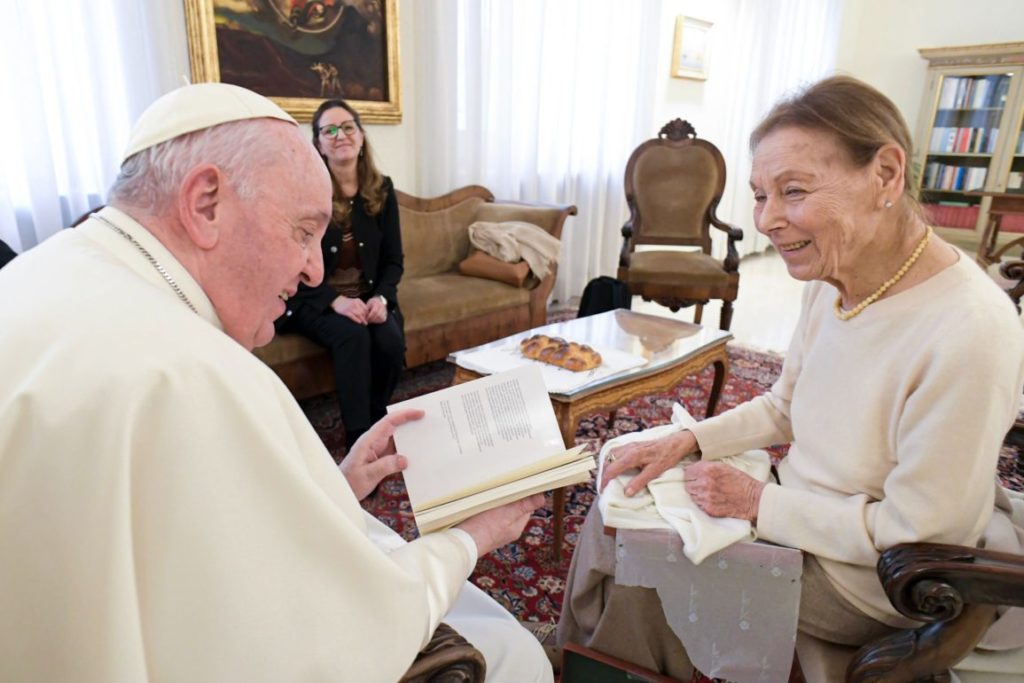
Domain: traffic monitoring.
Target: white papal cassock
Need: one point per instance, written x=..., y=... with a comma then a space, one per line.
x=167, y=513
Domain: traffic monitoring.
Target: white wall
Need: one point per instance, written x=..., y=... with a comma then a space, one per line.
x=685, y=98
x=880, y=38
x=395, y=145
x=878, y=43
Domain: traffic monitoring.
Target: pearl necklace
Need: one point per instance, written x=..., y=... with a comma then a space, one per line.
x=149, y=257
x=856, y=310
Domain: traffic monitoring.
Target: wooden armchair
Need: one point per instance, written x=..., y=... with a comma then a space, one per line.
x=673, y=186
x=955, y=589
x=447, y=658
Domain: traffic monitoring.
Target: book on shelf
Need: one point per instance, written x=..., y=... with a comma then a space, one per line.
x=482, y=444
x=974, y=92
x=947, y=96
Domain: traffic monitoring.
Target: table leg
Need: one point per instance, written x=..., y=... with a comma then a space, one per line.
x=716, y=387
x=567, y=426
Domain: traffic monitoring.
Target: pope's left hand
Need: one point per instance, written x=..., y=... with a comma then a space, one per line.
x=723, y=491
x=373, y=456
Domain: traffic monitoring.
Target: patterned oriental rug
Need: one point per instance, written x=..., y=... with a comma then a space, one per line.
x=523, y=576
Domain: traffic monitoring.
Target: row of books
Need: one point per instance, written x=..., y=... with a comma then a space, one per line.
x=974, y=92
x=949, y=177
x=952, y=214
x=963, y=140
x=961, y=215
x=1011, y=222
x=1020, y=144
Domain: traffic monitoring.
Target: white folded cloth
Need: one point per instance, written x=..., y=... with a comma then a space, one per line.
x=665, y=504
x=512, y=241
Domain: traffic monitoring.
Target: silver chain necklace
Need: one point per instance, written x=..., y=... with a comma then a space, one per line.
x=149, y=257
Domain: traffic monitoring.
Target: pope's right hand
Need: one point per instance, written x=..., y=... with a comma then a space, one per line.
x=492, y=529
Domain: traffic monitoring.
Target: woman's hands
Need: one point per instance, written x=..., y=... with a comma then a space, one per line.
x=373, y=456
x=353, y=309
x=716, y=488
x=374, y=311
x=652, y=458
x=723, y=491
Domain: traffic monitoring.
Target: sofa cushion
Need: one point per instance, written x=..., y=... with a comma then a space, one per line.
x=483, y=265
x=286, y=348
x=449, y=297
x=435, y=241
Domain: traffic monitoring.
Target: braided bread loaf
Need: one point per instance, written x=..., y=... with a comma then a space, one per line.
x=557, y=351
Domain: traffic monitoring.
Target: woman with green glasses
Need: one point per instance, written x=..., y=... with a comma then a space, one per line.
x=354, y=312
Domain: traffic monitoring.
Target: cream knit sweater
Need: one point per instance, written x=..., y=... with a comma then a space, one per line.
x=896, y=419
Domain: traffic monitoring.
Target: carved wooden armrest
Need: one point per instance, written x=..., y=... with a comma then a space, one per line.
x=1012, y=270
x=732, y=258
x=955, y=590
x=447, y=658
x=626, y=253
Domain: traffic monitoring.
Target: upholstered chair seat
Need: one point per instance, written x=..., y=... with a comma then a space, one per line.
x=685, y=268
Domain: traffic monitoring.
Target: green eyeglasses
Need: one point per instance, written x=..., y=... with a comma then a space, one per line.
x=349, y=128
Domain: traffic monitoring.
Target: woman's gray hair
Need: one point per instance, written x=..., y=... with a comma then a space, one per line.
x=150, y=179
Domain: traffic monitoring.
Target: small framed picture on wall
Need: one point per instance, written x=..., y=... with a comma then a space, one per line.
x=690, y=48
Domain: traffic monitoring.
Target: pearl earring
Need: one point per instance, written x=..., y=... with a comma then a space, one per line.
x=888, y=203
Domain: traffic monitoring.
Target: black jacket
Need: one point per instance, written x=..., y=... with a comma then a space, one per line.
x=380, y=254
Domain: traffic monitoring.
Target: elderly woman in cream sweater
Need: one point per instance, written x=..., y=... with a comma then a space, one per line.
x=901, y=381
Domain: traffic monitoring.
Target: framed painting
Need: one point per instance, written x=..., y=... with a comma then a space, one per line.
x=301, y=52
x=690, y=48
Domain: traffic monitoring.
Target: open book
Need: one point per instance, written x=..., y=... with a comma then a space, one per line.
x=483, y=444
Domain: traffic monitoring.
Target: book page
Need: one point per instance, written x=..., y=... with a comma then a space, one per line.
x=476, y=433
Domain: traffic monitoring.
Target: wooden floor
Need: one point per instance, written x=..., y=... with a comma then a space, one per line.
x=766, y=311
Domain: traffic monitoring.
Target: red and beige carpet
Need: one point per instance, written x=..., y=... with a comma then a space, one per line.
x=523, y=576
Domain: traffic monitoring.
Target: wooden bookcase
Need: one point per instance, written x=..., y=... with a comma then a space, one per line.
x=970, y=137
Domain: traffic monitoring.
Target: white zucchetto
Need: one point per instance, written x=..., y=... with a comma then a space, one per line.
x=195, y=107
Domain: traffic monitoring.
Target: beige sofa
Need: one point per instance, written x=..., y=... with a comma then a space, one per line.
x=444, y=311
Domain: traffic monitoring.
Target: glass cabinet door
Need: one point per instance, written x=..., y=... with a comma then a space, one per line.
x=962, y=143
x=1015, y=180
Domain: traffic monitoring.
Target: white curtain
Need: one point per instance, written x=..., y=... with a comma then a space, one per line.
x=775, y=47
x=77, y=73
x=540, y=101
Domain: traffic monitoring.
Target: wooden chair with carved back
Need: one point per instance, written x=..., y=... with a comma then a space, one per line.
x=955, y=590
x=673, y=186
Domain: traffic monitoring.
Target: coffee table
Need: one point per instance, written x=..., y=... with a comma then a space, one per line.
x=673, y=350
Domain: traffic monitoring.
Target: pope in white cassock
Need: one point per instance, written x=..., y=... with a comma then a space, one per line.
x=167, y=513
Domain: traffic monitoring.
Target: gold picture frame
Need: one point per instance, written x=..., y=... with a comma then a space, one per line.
x=290, y=51
x=690, y=48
